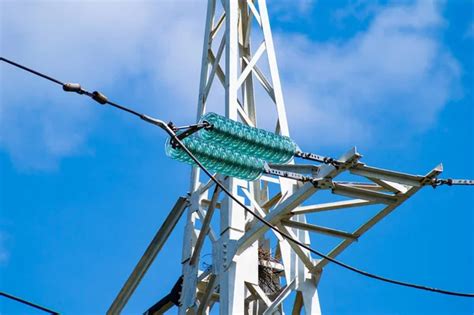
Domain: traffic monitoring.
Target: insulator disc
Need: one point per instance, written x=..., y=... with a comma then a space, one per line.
x=251, y=141
x=217, y=158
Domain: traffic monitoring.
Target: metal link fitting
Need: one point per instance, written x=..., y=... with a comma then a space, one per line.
x=99, y=97
x=73, y=87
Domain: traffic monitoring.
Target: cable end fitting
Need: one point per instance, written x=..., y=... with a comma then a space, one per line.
x=208, y=125
x=73, y=87
x=99, y=97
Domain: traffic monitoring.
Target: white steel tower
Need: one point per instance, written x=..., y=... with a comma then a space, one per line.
x=246, y=276
x=229, y=57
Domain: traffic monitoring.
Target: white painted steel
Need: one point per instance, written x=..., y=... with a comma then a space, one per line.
x=233, y=278
x=147, y=259
x=235, y=261
x=241, y=66
x=318, y=229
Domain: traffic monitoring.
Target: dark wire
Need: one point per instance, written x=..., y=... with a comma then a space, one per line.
x=44, y=309
x=44, y=76
x=265, y=222
x=128, y=110
x=82, y=91
x=288, y=237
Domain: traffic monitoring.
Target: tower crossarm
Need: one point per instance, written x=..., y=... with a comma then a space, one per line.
x=401, y=197
x=390, y=194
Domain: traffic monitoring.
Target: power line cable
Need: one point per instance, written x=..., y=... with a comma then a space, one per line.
x=290, y=238
x=44, y=76
x=39, y=307
x=99, y=97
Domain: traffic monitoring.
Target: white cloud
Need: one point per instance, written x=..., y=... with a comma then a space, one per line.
x=359, y=9
x=387, y=83
x=289, y=9
x=395, y=75
x=153, y=48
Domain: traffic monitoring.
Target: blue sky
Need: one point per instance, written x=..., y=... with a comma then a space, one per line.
x=83, y=188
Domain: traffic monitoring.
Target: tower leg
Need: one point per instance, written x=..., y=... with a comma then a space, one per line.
x=310, y=296
x=232, y=22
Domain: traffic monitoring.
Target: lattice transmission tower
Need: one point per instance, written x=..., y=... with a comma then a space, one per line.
x=234, y=277
x=247, y=275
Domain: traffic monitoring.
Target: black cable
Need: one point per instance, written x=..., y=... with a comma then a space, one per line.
x=128, y=110
x=44, y=76
x=103, y=100
x=39, y=307
x=73, y=87
x=288, y=237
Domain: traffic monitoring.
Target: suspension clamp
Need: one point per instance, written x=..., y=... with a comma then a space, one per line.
x=188, y=130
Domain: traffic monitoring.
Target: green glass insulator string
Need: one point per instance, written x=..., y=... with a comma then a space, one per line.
x=251, y=141
x=217, y=158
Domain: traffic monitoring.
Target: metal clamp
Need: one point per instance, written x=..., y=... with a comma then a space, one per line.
x=188, y=131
